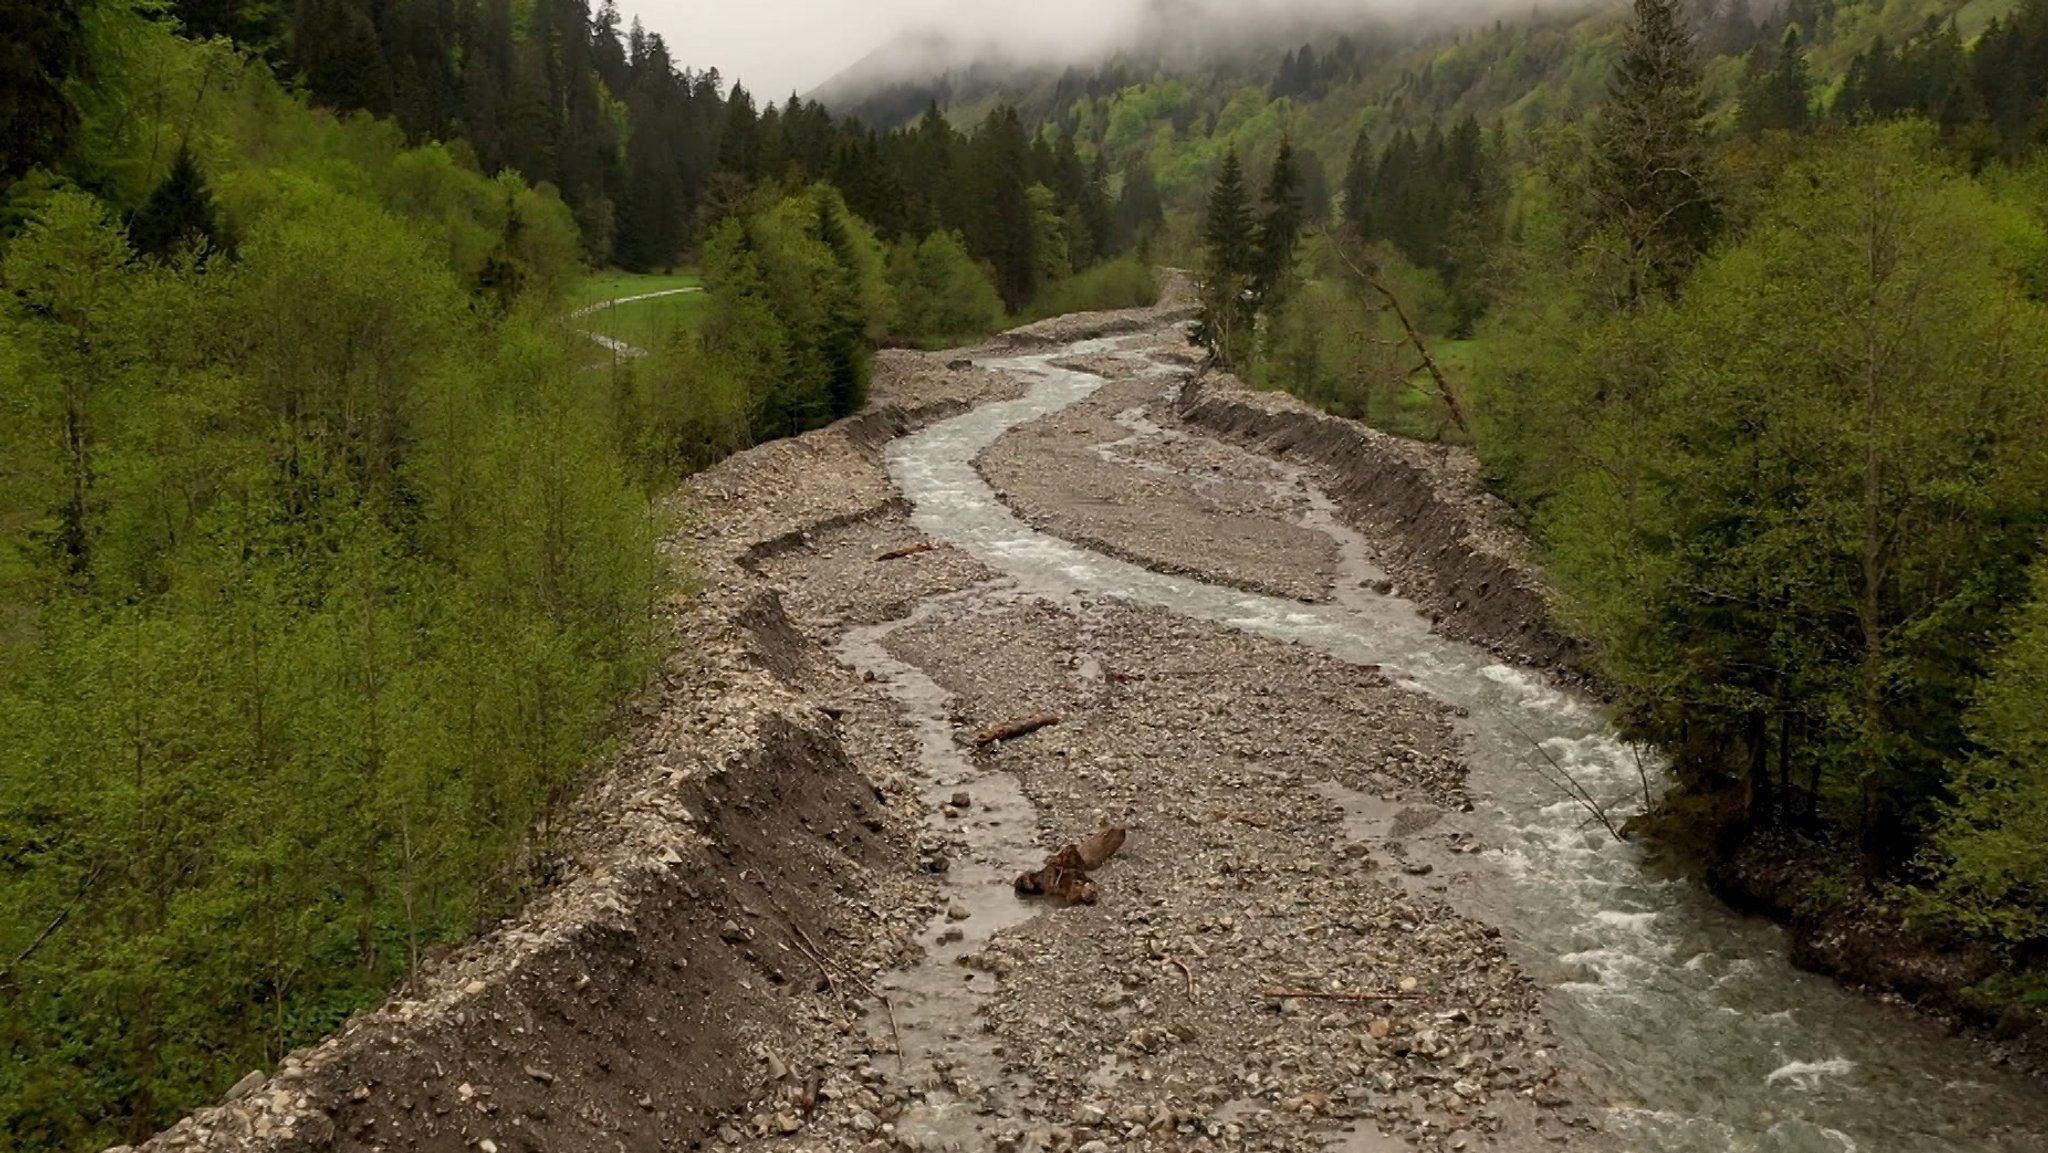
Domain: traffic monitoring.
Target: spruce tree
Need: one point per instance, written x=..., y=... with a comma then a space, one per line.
x=1650, y=181
x=1140, y=211
x=1359, y=175
x=46, y=48
x=1279, y=230
x=1228, y=262
x=1791, y=84
x=739, y=145
x=999, y=178
x=1777, y=92
x=179, y=212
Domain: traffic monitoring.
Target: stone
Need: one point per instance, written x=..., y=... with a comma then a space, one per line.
x=957, y=912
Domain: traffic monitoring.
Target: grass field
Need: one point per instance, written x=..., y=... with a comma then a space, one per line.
x=611, y=284
x=645, y=324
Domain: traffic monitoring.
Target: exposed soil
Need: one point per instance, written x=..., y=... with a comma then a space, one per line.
x=1452, y=547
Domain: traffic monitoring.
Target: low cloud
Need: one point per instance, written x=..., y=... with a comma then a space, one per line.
x=780, y=46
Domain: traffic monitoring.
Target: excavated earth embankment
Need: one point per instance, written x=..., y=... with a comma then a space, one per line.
x=1452, y=546
x=781, y=916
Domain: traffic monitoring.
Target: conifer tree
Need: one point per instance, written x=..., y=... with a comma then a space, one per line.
x=739, y=144
x=1359, y=175
x=999, y=169
x=1777, y=92
x=1229, y=259
x=47, y=47
x=1279, y=229
x=1140, y=211
x=1650, y=182
x=179, y=212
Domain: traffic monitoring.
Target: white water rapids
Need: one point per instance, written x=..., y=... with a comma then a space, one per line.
x=1689, y=1019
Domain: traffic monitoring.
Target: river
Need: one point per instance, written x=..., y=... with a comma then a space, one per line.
x=1687, y=1019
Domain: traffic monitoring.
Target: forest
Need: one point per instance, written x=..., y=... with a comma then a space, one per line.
x=327, y=549
x=1771, y=389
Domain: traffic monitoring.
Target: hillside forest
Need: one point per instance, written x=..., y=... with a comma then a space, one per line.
x=1768, y=377
x=327, y=549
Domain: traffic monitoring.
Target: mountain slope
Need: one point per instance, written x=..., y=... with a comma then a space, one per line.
x=1184, y=97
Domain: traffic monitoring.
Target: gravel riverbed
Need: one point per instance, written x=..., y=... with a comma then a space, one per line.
x=783, y=916
x=1271, y=963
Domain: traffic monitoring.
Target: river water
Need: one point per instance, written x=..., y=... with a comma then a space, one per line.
x=1685, y=1018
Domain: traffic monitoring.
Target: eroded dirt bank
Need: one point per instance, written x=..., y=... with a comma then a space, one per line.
x=782, y=918
x=1451, y=546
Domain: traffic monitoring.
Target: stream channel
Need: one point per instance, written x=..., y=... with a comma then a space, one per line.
x=1686, y=1020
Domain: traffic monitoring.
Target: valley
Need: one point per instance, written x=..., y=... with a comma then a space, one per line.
x=1355, y=909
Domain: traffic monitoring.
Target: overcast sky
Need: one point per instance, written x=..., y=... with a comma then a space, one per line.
x=779, y=46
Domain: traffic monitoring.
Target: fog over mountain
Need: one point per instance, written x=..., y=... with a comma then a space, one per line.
x=776, y=47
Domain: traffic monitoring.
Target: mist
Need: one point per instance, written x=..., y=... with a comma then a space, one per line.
x=779, y=47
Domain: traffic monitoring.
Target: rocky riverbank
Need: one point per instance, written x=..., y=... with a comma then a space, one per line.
x=782, y=917
x=1452, y=547
x=1458, y=551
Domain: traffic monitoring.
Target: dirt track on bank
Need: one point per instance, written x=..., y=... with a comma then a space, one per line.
x=782, y=919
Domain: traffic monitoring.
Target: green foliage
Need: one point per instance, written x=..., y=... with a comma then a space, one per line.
x=1801, y=495
x=798, y=294
x=1123, y=283
x=1326, y=344
x=1651, y=189
x=361, y=583
x=318, y=586
x=1991, y=850
x=942, y=296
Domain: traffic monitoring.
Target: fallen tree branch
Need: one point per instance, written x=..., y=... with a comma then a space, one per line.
x=1185, y=972
x=1240, y=818
x=1065, y=873
x=1370, y=277
x=1011, y=730
x=810, y=949
x=803, y=946
x=1571, y=787
x=895, y=1034
x=56, y=923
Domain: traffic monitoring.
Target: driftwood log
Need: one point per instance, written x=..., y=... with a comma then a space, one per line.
x=1011, y=730
x=910, y=551
x=1065, y=873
